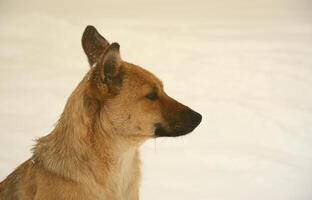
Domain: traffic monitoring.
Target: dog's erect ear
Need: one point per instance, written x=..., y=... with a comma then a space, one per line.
x=110, y=66
x=93, y=44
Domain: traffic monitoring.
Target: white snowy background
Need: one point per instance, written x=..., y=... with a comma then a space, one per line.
x=245, y=65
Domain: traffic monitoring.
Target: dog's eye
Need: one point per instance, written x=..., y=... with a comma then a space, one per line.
x=153, y=96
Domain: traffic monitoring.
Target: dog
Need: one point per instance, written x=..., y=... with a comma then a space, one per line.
x=92, y=152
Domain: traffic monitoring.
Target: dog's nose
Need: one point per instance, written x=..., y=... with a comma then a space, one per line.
x=196, y=118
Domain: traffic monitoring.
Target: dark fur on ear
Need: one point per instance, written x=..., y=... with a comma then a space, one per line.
x=93, y=44
x=111, y=62
x=109, y=69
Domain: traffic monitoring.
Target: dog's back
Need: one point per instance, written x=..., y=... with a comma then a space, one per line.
x=10, y=188
x=31, y=181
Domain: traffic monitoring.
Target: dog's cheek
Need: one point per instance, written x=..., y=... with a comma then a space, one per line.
x=144, y=121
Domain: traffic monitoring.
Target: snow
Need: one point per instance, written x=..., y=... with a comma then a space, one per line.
x=246, y=66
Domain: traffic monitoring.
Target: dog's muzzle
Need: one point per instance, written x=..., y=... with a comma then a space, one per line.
x=185, y=124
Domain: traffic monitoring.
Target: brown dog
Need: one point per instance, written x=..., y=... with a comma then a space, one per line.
x=92, y=153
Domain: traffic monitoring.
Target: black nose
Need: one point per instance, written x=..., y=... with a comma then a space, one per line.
x=196, y=118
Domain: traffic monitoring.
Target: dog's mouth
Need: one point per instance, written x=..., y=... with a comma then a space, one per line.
x=160, y=131
x=178, y=128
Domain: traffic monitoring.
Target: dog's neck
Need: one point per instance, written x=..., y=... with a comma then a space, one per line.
x=79, y=146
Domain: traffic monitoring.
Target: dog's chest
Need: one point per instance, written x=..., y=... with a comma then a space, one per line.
x=125, y=169
x=124, y=178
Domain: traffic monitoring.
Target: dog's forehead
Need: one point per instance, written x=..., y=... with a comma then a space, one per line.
x=142, y=75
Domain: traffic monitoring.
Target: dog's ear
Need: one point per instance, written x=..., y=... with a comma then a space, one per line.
x=110, y=67
x=93, y=44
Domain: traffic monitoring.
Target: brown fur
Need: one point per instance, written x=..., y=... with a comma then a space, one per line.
x=92, y=153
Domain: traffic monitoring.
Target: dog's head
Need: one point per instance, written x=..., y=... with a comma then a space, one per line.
x=134, y=101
